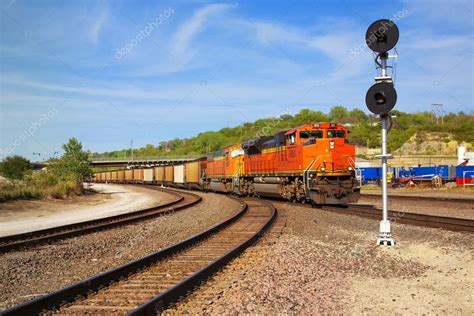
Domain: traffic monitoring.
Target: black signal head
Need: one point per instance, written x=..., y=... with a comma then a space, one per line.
x=381, y=98
x=382, y=35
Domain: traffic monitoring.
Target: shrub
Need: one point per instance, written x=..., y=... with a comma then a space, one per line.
x=14, y=167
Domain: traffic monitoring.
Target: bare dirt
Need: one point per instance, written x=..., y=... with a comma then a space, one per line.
x=23, y=216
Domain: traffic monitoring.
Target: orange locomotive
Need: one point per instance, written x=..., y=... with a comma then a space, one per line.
x=313, y=162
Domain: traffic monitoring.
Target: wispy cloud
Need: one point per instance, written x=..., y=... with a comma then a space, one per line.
x=188, y=31
x=97, y=25
x=429, y=43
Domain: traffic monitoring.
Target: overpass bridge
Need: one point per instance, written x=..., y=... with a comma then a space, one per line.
x=137, y=161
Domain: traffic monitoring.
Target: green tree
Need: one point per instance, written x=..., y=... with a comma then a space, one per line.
x=338, y=113
x=358, y=115
x=74, y=164
x=14, y=167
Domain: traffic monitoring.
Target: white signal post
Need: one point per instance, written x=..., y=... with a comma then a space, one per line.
x=385, y=231
x=381, y=36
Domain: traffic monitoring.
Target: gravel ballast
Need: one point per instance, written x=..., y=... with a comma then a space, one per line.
x=461, y=209
x=328, y=263
x=45, y=268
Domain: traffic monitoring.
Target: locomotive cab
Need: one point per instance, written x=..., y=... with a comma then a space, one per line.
x=329, y=164
x=312, y=162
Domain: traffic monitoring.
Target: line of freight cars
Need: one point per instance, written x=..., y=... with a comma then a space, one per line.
x=187, y=175
x=461, y=174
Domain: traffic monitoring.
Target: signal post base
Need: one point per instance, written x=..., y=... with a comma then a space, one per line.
x=385, y=241
x=385, y=235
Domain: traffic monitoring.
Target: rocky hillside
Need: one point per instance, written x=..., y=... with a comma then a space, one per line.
x=431, y=144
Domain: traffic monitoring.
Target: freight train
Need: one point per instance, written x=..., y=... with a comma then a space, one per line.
x=310, y=163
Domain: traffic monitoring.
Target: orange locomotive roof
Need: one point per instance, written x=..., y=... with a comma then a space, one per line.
x=314, y=125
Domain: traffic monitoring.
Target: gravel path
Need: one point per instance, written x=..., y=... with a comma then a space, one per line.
x=421, y=206
x=42, y=269
x=328, y=263
x=41, y=214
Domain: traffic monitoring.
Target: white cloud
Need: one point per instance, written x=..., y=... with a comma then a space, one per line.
x=268, y=33
x=178, y=50
x=96, y=26
x=430, y=42
x=444, y=13
x=185, y=34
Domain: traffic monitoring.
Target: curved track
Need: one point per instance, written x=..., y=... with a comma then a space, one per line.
x=14, y=242
x=148, y=285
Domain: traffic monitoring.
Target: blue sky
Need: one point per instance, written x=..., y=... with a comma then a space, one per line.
x=107, y=72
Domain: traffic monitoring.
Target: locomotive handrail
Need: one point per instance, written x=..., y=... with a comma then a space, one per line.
x=306, y=178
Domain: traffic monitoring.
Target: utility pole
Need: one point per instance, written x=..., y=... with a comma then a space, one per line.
x=437, y=110
x=131, y=147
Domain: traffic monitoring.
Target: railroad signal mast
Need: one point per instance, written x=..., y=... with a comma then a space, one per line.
x=381, y=37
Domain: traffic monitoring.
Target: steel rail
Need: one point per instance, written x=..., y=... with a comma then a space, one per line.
x=56, y=299
x=18, y=241
x=417, y=219
x=418, y=198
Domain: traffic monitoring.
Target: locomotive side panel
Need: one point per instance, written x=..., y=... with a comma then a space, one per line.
x=216, y=168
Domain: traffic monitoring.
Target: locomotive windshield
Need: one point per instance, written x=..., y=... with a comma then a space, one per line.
x=311, y=134
x=332, y=133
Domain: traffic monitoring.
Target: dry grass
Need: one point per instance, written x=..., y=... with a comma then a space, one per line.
x=20, y=190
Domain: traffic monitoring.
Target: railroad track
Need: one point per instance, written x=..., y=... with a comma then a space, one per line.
x=418, y=198
x=148, y=285
x=369, y=211
x=19, y=241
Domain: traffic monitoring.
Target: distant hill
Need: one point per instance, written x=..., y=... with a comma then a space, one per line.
x=407, y=127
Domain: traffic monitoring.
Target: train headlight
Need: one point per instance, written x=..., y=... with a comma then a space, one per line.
x=350, y=168
x=323, y=169
x=331, y=145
